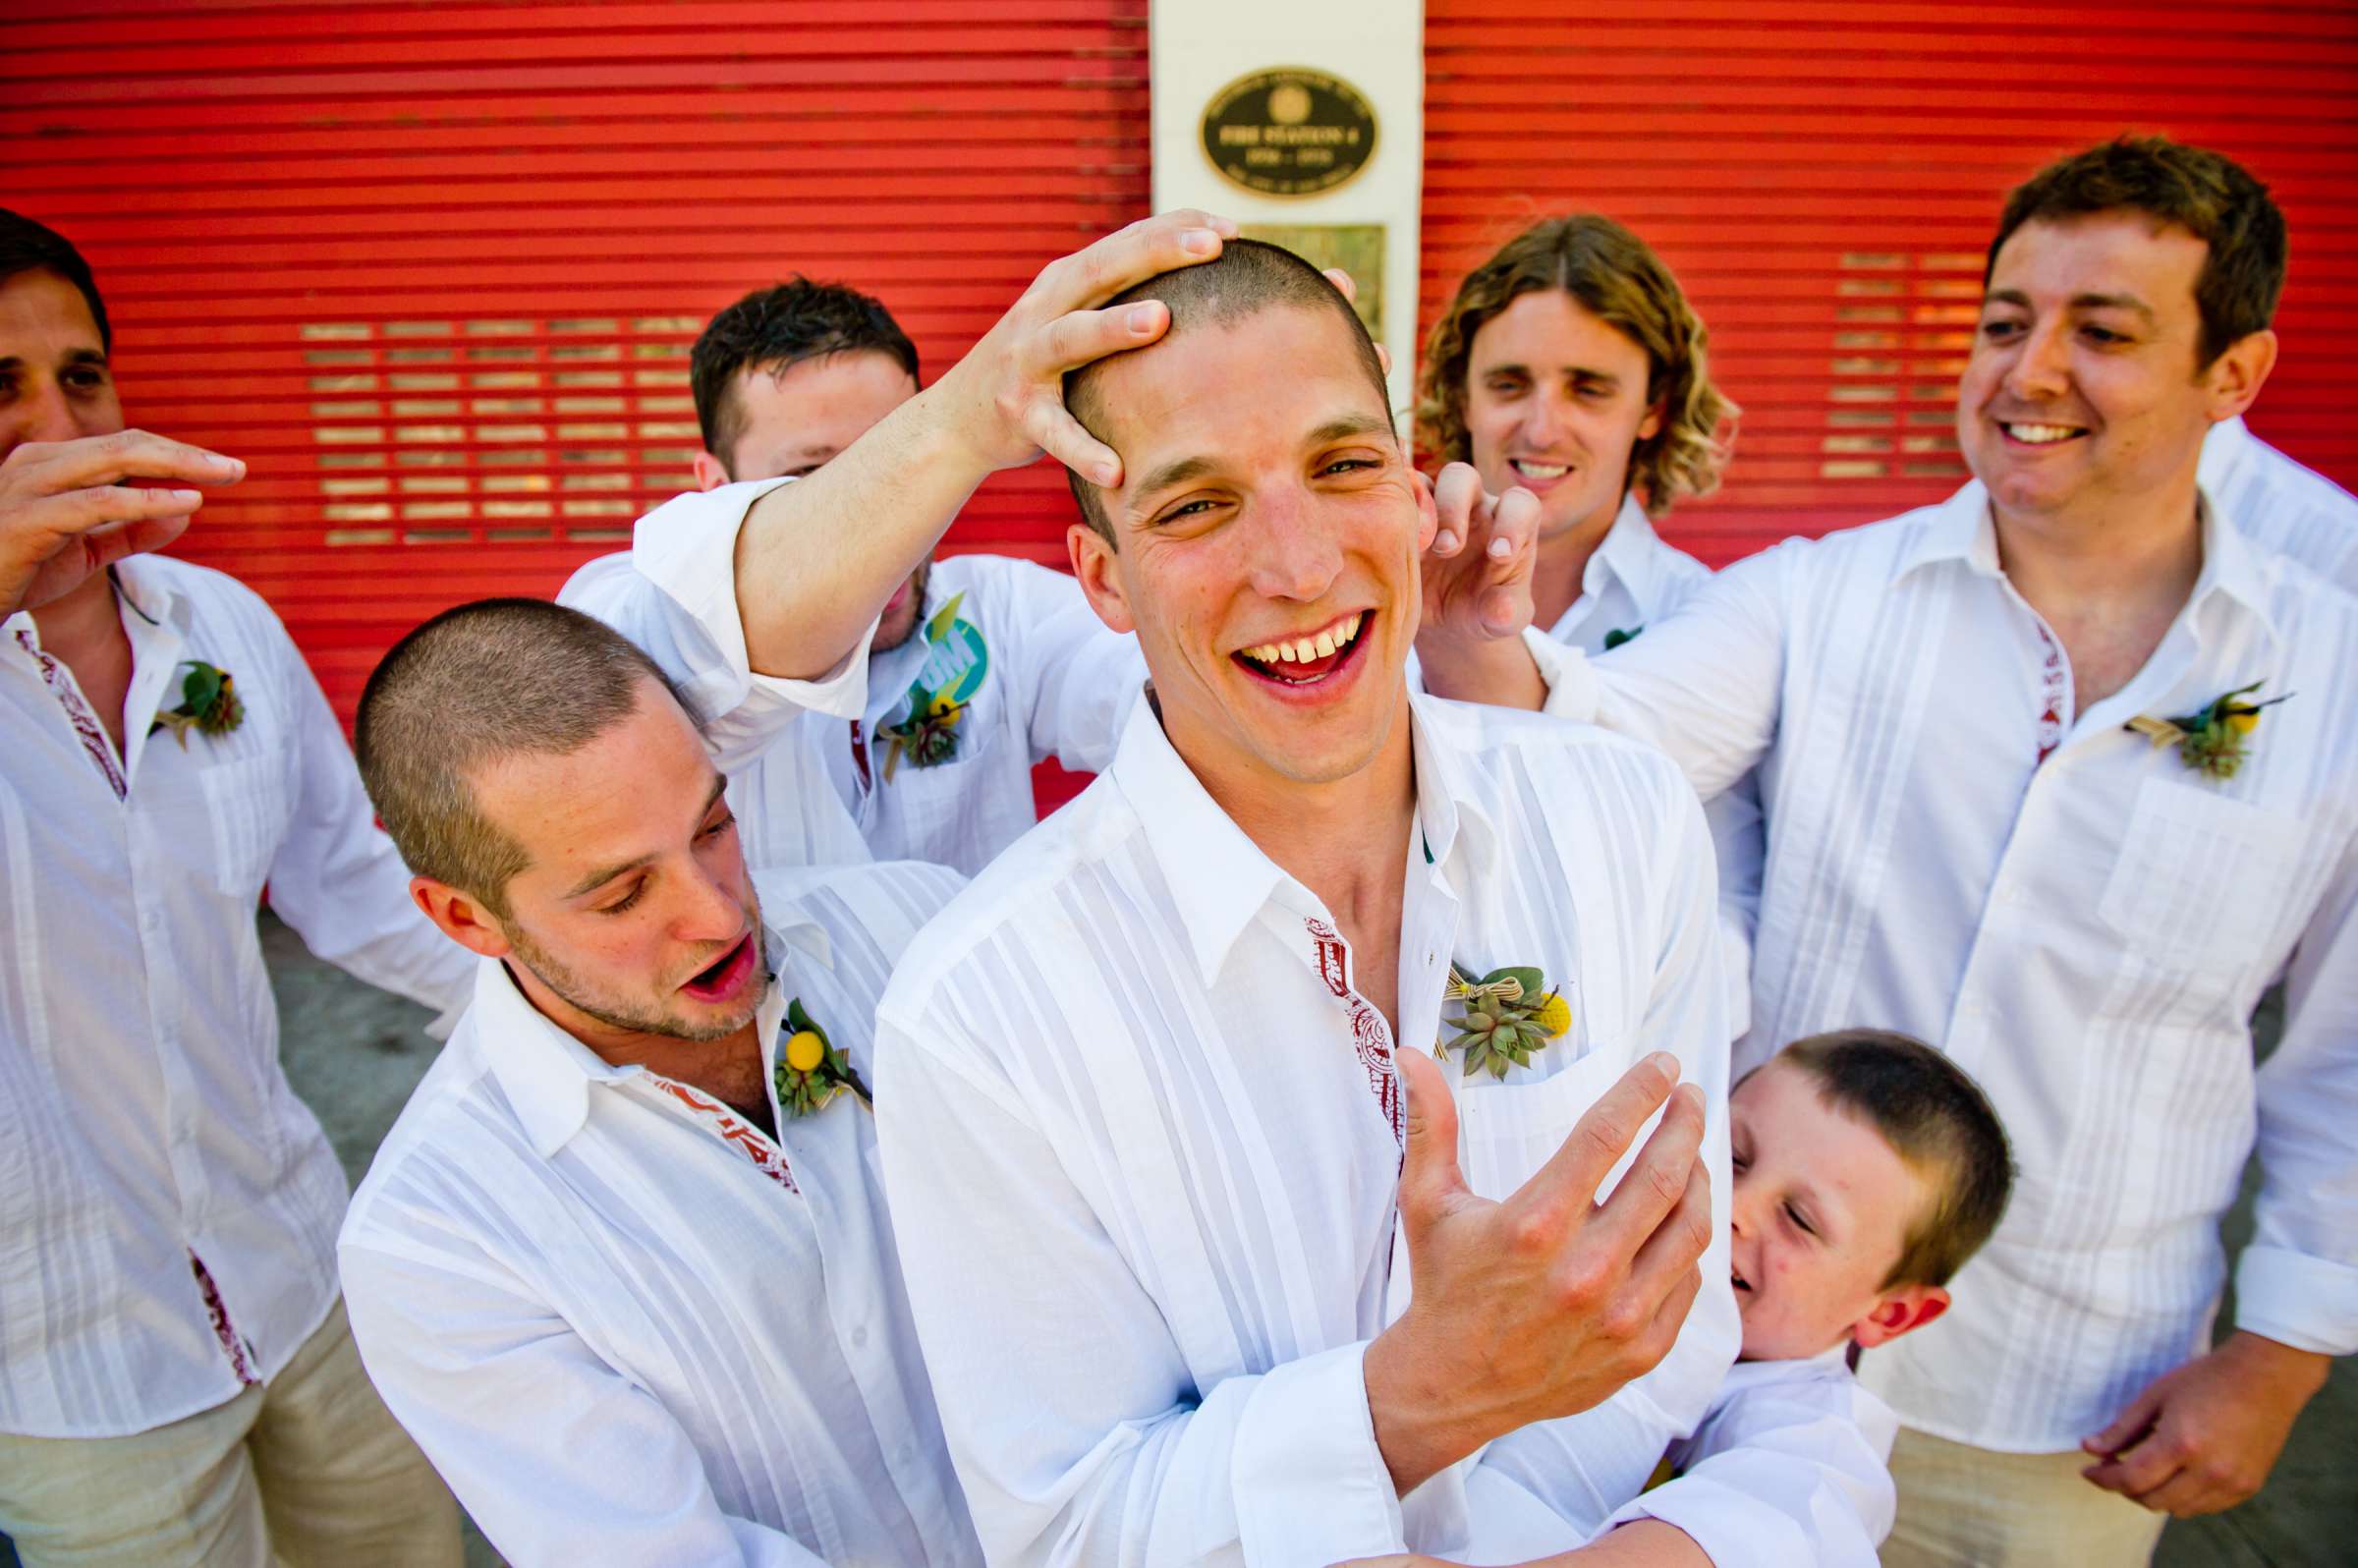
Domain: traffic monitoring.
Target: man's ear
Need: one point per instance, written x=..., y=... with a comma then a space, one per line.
x=1652, y=426
x=1428, y=516
x=2236, y=378
x=710, y=474
x=460, y=917
x=1096, y=569
x=1899, y=1312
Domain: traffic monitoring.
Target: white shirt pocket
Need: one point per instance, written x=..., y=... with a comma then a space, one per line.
x=1507, y=1131
x=2201, y=877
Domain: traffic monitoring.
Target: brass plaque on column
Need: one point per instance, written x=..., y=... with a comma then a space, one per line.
x=1289, y=132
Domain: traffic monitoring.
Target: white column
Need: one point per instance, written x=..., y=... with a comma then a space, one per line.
x=1198, y=48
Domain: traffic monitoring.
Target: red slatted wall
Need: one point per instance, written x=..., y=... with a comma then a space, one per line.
x=433, y=269
x=1824, y=178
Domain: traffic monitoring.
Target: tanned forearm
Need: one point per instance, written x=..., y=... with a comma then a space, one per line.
x=817, y=559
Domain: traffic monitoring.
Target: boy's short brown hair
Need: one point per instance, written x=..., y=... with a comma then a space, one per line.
x=2207, y=193
x=1937, y=1120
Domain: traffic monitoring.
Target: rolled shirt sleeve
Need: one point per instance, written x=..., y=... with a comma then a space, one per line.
x=1789, y=1470
x=678, y=603
x=2297, y=1282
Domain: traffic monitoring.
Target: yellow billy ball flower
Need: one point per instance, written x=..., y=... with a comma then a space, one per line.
x=1554, y=1016
x=805, y=1052
x=2243, y=723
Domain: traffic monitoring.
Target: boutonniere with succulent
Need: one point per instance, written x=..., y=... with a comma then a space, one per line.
x=928, y=736
x=2216, y=739
x=811, y=1070
x=1620, y=635
x=1503, y=1017
x=209, y=703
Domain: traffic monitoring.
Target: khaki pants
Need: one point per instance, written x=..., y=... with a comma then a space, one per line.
x=308, y=1471
x=1961, y=1506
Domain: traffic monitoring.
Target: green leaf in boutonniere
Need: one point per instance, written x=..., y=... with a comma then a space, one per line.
x=1620, y=635
x=209, y=703
x=811, y=1070
x=928, y=736
x=1503, y=1018
x=2214, y=741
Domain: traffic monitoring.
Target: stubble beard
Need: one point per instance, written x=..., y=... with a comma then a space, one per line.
x=575, y=993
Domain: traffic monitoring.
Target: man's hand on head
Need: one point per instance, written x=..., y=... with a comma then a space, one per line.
x=1004, y=401
x=70, y=509
x=1477, y=578
x=2205, y=1436
x=1548, y=1303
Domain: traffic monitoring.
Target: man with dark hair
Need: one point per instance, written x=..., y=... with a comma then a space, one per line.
x=2062, y=776
x=1153, y=1094
x=977, y=667
x=623, y=1265
x=180, y=1384
x=2276, y=503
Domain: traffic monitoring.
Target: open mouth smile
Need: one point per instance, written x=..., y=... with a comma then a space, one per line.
x=1307, y=660
x=725, y=976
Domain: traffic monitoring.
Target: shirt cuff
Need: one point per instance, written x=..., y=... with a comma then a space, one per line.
x=2296, y=1300
x=1571, y=684
x=687, y=547
x=1306, y=1432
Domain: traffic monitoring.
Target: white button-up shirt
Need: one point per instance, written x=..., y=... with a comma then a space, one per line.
x=1035, y=673
x=629, y=1327
x=2086, y=936
x=1144, y=1135
x=144, y=1121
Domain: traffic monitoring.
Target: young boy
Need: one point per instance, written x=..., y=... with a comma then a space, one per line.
x=1868, y=1169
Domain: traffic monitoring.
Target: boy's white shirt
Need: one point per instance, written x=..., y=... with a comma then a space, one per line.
x=1052, y=680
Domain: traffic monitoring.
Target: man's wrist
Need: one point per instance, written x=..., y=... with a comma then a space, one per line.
x=2294, y=1372
x=1498, y=672
x=1421, y=1425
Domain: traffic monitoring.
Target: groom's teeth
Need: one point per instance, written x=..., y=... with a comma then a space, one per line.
x=2041, y=434
x=1350, y=628
x=1543, y=471
x=1325, y=643
x=1304, y=649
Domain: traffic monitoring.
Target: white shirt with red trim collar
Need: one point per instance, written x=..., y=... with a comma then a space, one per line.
x=145, y=1125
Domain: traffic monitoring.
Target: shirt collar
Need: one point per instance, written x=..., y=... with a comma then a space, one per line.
x=147, y=592
x=1219, y=879
x=1961, y=528
x=2220, y=449
x=547, y=1074
x=1630, y=553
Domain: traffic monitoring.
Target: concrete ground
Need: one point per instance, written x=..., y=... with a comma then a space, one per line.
x=354, y=1053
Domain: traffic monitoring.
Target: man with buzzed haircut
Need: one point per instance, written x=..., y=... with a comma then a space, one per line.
x=623, y=1265
x=978, y=666
x=1153, y=1095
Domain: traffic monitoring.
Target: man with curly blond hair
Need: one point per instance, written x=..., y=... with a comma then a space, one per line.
x=1570, y=364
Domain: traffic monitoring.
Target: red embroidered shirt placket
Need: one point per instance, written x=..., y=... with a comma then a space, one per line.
x=102, y=751
x=2056, y=681
x=732, y=1130
x=1368, y=1036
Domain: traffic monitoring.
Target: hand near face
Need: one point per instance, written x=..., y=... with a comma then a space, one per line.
x=1477, y=592
x=67, y=511
x=2205, y=1436
x=1547, y=1304
x=1005, y=400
